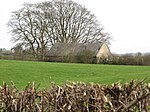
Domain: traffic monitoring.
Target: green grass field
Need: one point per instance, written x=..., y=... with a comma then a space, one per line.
x=43, y=73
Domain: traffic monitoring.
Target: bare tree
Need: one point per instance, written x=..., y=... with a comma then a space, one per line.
x=41, y=25
x=28, y=27
x=70, y=22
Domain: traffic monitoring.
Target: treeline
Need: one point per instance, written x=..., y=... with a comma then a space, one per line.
x=19, y=53
x=131, y=59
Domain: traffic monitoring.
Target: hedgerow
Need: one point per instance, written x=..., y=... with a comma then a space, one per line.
x=77, y=97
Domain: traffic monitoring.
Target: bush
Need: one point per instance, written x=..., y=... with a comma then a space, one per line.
x=82, y=57
x=77, y=97
x=131, y=59
x=86, y=57
x=70, y=58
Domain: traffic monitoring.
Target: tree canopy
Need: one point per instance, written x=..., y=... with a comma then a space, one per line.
x=38, y=26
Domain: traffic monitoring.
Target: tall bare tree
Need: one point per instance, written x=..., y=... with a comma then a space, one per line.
x=40, y=25
x=28, y=27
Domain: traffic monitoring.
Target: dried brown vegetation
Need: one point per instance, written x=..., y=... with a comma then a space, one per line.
x=77, y=97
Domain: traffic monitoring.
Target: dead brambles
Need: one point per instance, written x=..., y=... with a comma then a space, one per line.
x=77, y=97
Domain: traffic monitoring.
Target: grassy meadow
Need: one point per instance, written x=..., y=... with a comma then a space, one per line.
x=43, y=73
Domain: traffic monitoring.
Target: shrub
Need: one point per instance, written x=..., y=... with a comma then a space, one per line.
x=86, y=57
x=131, y=59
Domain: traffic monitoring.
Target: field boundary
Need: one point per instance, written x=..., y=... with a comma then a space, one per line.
x=77, y=97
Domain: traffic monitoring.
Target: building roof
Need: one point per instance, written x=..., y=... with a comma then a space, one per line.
x=63, y=49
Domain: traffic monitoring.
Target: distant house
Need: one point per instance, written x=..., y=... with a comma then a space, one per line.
x=79, y=52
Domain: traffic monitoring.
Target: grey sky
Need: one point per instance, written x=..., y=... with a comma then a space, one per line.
x=128, y=21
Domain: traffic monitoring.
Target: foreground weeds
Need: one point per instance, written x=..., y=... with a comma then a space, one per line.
x=77, y=97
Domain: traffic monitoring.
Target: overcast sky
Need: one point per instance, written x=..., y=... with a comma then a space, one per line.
x=128, y=22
